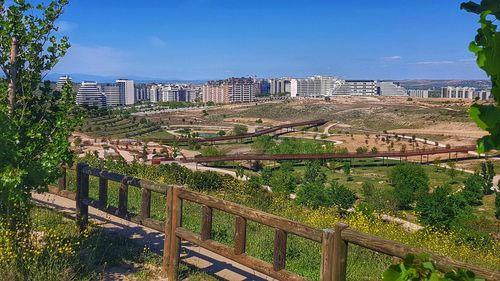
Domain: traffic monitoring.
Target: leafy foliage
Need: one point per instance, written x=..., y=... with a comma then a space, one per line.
x=442, y=209
x=240, y=129
x=409, y=181
x=314, y=195
x=487, y=171
x=473, y=189
x=486, y=47
x=420, y=268
x=35, y=121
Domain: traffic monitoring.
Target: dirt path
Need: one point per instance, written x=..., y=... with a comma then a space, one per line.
x=205, y=260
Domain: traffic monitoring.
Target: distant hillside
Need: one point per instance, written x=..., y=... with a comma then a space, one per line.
x=436, y=84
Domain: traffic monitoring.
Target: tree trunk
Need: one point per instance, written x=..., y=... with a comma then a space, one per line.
x=13, y=76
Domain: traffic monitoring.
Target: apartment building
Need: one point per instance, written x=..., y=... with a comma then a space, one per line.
x=457, y=92
x=418, y=93
x=90, y=95
x=391, y=89
x=280, y=85
x=112, y=93
x=127, y=91
x=316, y=86
x=230, y=90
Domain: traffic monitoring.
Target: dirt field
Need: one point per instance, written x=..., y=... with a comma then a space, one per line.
x=435, y=119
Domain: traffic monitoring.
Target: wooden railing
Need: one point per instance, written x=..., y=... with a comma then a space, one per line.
x=334, y=242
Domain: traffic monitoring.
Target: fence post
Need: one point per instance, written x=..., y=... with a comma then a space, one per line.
x=206, y=223
x=61, y=183
x=123, y=197
x=82, y=192
x=339, y=253
x=167, y=230
x=240, y=235
x=279, y=257
x=175, y=242
x=326, y=273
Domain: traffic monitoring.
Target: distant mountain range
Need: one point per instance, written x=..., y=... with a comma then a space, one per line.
x=79, y=77
x=437, y=84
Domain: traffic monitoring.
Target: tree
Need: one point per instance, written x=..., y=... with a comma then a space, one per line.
x=487, y=171
x=473, y=189
x=340, y=196
x=374, y=150
x=409, y=181
x=313, y=173
x=441, y=208
x=240, y=129
x=486, y=47
x=221, y=133
x=312, y=195
x=35, y=121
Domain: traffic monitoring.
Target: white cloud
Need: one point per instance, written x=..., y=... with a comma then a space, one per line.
x=95, y=60
x=155, y=41
x=66, y=26
x=393, y=58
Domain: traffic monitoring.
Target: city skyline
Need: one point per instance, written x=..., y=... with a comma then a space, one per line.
x=190, y=40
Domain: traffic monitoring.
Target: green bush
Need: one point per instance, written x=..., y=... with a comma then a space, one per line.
x=311, y=195
x=409, y=181
x=473, y=189
x=368, y=189
x=340, y=196
x=240, y=129
x=441, y=208
x=313, y=173
x=487, y=171
x=420, y=268
x=205, y=181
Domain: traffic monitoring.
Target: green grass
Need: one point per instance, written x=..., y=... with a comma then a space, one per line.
x=161, y=134
x=303, y=256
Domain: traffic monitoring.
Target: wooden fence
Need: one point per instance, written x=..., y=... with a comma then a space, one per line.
x=334, y=242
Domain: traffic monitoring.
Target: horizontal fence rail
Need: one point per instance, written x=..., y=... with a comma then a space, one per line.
x=319, y=156
x=334, y=242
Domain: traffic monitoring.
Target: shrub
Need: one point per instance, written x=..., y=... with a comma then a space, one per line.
x=240, y=129
x=221, y=133
x=419, y=267
x=441, y=208
x=313, y=173
x=487, y=171
x=340, y=196
x=361, y=149
x=473, y=189
x=258, y=121
x=311, y=195
x=205, y=181
x=368, y=189
x=409, y=181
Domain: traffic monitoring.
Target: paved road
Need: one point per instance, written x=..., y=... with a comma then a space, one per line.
x=205, y=260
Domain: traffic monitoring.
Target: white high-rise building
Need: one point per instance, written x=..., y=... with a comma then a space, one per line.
x=280, y=85
x=127, y=91
x=112, y=94
x=356, y=88
x=457, y=92
x=62, y=81
x=154, y=93
x=316, y=86
x=391, y=89
x=90, y=95
x=418, y=93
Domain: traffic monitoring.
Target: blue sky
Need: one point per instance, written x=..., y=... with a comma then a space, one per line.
x=207, y=39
